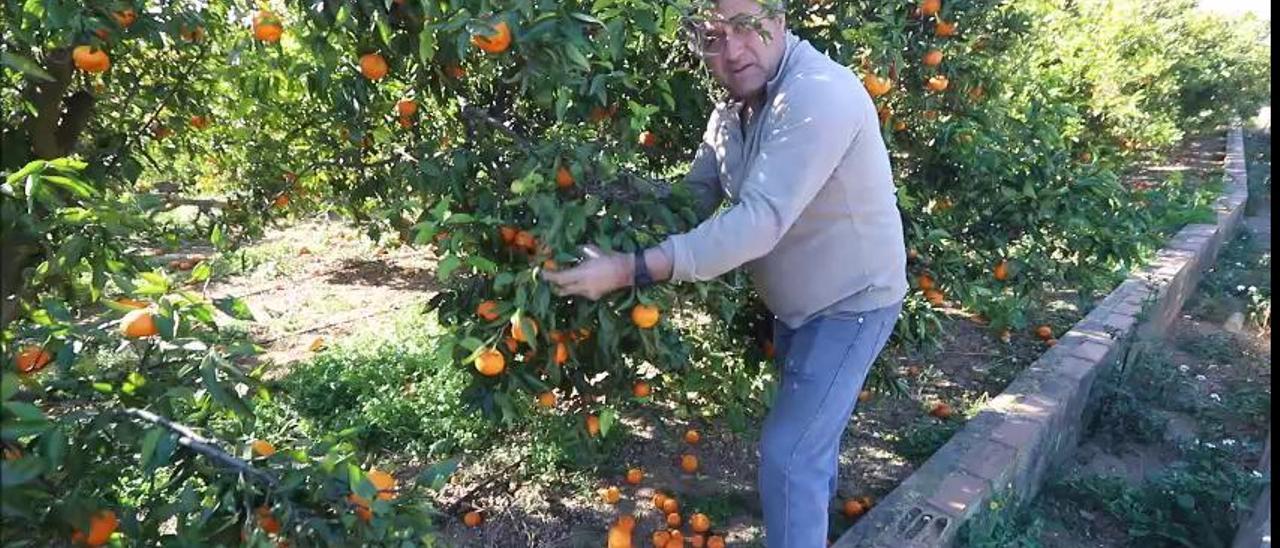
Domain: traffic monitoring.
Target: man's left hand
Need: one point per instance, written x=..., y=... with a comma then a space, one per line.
x=596, y=276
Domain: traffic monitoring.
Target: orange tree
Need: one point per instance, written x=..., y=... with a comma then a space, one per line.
x=505, y=134
x=126, y=413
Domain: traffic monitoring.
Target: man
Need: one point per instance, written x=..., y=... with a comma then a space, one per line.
x=797, y=151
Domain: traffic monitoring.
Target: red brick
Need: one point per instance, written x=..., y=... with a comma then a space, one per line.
x=959, y=492
x=1016, y=433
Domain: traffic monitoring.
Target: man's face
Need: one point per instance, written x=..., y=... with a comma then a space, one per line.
x=740, y=57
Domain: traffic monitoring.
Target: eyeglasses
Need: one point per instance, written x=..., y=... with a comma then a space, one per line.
x=709, y=37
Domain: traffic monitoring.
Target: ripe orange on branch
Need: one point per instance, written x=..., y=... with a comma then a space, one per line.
x=933, y=58
x=90, y=59
x=937, y=83
x=644, y=316
x=266, y=27
x=496, y=41
x=490, y=363
x=876, y=85
x=373, y=66
x=32, y=358
x=138, y=324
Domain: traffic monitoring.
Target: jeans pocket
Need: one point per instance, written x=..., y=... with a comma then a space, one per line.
x=819, y=346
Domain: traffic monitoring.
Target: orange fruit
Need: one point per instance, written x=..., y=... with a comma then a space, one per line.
x=673, y=520
x=866, y=500
x=611, y=495
x=454, y=71
x=899, y=125
x=641, y=389
x=647, y=139
x=944, y=29
x=692, y=437
x=406, y=107
x=31, y=359
x=564, y=177
x=659, y=499
x=934, y=297
x=924, y=282
x=137, y=324
x=373, y=66
x=930, y=7
x=269, y=522
x=644, y=316
x=599, y=114
x=941, y=410
x=715, y=541
x=670, y=505
x=125, y=18
x=547, y=399
x=593, y=425
x=508, y=234
x=876, y=85
x=933, y=58
x=676, y=540
x=1001, y=271
x=550, y=264
x=619, y=537
x=90, y=59
x=263, y=448
x=101, y=525
x=199, y=122
x=700, y=523
x=864, y=395
x=562, y=354
x=192, y=35
x=266, y=27
x=472, y=519
x=626, y=522
x=487, y=310
x=405, y=122
x=853, y=508
x=635, y=476
x=1086, y=156
x=1044, y=332
x=697, y=541
x=12, y=453
x=557, y=336
x=281, y=201
x=495, y=42
x=768, y=350
x=490, y=363
x=660, y=539
x=937, y=83
x=526, y=240
x=977, y=93
x=689, y=464
x=517, y=332
x=512, y=344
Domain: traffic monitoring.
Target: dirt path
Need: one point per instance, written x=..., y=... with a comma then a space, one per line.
x=319, y=280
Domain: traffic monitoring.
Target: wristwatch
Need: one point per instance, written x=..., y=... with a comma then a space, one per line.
x=642, y=277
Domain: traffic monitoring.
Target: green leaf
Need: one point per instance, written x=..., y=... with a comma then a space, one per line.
x=18, y=472
x=53, y=446
x=26, y=170
x=8, y=386
x=78, y=188
x=446, y=267
x=436, y=476
x=149, y=446
x=216, y=237
x=471, y=343
x=607, y=417
x=234, y=307
x=427, y=45
x=576, y=56
x=209, y=373
x=25, y=65
x=201, y=272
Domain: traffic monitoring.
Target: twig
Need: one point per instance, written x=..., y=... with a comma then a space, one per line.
x=203, y=446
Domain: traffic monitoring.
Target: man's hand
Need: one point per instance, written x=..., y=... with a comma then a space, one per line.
x=596, y=276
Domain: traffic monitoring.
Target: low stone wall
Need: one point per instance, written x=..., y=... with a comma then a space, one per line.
x=1036, y=422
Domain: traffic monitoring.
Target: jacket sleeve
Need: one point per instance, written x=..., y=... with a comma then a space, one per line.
x=811, y=125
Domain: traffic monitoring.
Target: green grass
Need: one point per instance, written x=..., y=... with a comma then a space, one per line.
x=1198, y=501
x=923, y=438
x=399, y=388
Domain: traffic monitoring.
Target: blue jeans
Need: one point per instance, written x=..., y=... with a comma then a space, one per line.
x=823, y=365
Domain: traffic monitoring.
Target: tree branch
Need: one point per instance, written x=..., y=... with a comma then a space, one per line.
x=203, y=446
